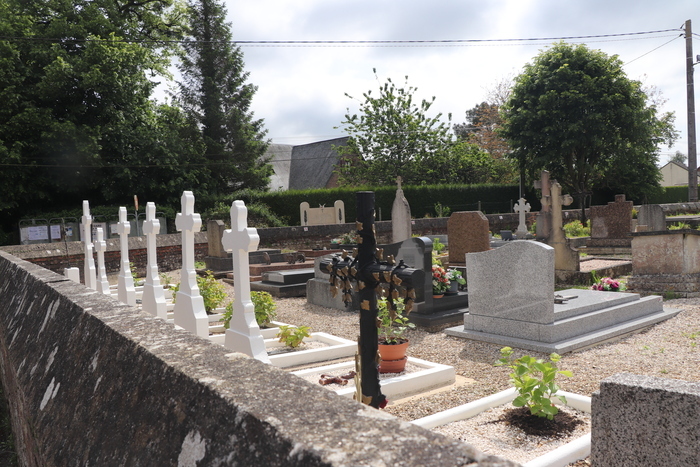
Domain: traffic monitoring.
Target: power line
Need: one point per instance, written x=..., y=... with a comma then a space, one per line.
x=321, y=43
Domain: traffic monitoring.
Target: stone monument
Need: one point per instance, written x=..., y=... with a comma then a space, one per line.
x=243, y=335
x=89, y=270
x=400, y=216
x=101, y=247
x=153, y=299
x=512, y=302
x=652, y=216
x=468, y=232
x=521, y=208
x=126, y=292
x=189, y=310
x=611, y=226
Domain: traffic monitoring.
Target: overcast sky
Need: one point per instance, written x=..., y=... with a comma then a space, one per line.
x=301, y=90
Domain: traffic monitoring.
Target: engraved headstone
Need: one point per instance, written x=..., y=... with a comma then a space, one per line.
x=153, y=299
x=189, y=310
x=243, y=334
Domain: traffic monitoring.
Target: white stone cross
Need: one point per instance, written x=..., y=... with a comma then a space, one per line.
x=125, y=285
x=521, y=208
x=189, y=310
x=243, y=334
x=153, y=299
x=100, y=248
x=89, y=262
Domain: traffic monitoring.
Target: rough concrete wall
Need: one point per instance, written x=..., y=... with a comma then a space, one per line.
x=644, y=420
x=91, y=381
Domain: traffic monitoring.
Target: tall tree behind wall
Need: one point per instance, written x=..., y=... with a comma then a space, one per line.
x=76, y=114
x=214, y=93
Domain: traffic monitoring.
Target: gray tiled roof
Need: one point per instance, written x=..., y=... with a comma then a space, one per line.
x=312, y=164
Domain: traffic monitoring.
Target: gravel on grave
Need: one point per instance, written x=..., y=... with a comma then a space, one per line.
x=667, y=350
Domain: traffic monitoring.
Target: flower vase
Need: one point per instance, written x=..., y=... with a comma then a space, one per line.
x=454, y=288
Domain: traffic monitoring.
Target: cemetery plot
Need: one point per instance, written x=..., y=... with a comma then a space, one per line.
x=419, y=376
x=461, y=423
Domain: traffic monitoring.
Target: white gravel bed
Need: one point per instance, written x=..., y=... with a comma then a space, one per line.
x=492, y=437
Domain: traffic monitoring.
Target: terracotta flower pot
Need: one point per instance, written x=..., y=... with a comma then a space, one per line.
x=438, y=295
x=393, y=357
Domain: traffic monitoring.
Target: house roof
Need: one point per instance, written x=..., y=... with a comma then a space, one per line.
x=304, y=166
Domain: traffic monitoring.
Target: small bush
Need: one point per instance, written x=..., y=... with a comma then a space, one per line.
x=577, y=229
x=293, y=337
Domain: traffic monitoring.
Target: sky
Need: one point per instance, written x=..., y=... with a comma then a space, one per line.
x=302, y=89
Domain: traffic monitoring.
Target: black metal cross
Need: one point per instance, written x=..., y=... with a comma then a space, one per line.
x=372, y=275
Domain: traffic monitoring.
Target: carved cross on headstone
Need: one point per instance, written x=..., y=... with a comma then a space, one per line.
x=100, y=248
x=89, y=262
x=544, y=218
x=189, y=310
x=243, y=334
x=125, y=285
x=153, y=299
x=369, y=273
x=521, y=208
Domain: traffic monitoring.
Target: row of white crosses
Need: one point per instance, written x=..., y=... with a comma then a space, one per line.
x=243, y=334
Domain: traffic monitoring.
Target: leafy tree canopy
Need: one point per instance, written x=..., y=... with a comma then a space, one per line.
x=392, y=135
x=76, y=121
x=574, y=112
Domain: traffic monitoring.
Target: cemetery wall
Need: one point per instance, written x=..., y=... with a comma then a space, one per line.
x=57, y=256
x=92, y=381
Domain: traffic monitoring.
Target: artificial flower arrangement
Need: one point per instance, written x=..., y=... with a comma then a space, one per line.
x=455, y=276
x=441, y=283
x=609, y=285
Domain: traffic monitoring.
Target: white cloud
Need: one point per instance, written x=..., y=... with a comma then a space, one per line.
x=301, y=90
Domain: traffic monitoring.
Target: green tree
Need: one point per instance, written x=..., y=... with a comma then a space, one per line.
x=75, y=80
x=679, y=157
x=215, y=95
x=391, y=136
x=574, y=112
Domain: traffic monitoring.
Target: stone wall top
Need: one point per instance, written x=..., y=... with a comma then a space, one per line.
x=93, y=381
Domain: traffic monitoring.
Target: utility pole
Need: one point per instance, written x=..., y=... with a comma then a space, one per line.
x=692, y=155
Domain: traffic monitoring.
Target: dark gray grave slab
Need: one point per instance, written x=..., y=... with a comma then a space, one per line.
x=292, y=276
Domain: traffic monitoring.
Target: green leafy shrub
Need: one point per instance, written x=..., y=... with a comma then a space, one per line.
x=293, y=336
x=392, y=324
x=264, y=305
x=438, y=246
x=577, y=229
x=442, y=211
x=211, y=290
x=679, y=226
x=534, y=380
x=265, y=308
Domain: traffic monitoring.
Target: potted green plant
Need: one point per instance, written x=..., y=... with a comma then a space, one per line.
x=456, y=280
x=441, y=283
x=392, y=325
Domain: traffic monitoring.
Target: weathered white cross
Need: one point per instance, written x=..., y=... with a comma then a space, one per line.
x=521, y=208
x=125, y=285
x=243, y=334
x=189, y=310
x=153, y=299
x=89, y=262
x=100, y=248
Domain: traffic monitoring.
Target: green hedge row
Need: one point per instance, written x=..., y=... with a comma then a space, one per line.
x=670, y=194
x=422, y=199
